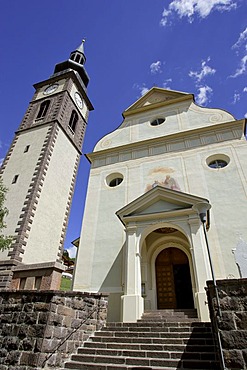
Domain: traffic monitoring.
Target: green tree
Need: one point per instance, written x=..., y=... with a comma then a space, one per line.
x=5, y=241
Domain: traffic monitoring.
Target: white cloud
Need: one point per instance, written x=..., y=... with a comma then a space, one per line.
x=241, y=40
x=236, y=98
x=166, y=84
x=191, y=8
x=245, y=89
x=241, y=48
x=72, y=251
x=205, y=71
x=245, y=116
x=156, y=67
x=141, y=88
x=242, y=67
x=204, y=95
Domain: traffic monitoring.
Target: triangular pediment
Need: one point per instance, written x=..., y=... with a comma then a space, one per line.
x=159, y=201
x=155, y=97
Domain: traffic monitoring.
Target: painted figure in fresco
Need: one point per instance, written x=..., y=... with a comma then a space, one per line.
x=169, y=183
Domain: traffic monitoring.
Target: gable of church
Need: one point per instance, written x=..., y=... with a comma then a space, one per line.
x=158, y=200
x=172, y=113
x=156, y=97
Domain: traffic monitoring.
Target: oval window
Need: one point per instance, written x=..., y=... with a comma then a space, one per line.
x=157, y=121
x=218, y=161
x=114, y=179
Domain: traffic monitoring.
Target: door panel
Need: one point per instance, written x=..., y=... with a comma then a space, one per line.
x=166, y=297
x=173, y=282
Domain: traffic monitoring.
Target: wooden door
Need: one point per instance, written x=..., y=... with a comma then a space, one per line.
x=169, y=293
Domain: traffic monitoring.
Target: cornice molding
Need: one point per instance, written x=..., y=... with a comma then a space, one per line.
x=180, y=141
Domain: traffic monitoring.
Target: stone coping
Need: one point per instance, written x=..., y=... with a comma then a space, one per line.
x=38, y=266
x=227, y=282
x=68, y=293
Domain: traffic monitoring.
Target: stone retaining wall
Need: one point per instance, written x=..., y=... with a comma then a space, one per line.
x=34, y=323
x=233, y=324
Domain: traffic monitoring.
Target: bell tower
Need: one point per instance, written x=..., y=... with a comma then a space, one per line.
x=39, y=171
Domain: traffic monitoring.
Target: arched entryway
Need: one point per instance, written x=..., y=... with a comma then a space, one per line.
x=173, y=280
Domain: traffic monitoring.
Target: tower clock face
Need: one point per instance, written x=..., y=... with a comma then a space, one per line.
x=78, y=100
x=50, y=89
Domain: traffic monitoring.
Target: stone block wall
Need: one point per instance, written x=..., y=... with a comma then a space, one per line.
x=35, y=323
x=232, y=324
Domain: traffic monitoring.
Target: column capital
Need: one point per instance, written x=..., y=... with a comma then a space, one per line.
x=130, y=229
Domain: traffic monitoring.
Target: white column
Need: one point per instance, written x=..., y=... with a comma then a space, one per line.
x=201, y=267
x=132, y=301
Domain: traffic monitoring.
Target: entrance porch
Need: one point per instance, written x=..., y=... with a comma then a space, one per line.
x=165, y=264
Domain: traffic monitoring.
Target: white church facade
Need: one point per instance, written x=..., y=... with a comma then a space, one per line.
x=142, y=240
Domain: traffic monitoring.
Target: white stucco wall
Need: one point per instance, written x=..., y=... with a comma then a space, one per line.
x=49, y=216
x=22, y=164
x=184, y=164
x=179, y=117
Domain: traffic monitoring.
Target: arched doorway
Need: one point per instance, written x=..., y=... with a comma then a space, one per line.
x=173, y=281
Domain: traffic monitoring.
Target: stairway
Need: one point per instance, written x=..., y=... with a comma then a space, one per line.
x=165, y=339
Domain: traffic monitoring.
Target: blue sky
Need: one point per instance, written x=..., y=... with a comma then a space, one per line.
x=193, y=46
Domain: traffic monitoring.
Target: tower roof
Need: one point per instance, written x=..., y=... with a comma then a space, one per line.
x=81, y=47
x=78, y=54
x=75, y=62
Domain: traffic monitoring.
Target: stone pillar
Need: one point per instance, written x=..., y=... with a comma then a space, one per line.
x=201, y=267
x=232, y=325
x=132, y=301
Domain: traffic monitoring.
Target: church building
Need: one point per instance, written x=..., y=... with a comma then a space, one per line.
x=142, y=240
x=39, y=172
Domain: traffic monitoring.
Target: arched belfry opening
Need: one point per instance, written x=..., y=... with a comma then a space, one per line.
x=173, y=280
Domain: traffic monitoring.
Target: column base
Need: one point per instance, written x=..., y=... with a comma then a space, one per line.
x=202, y=306
x=39, y=276
x=132, y=308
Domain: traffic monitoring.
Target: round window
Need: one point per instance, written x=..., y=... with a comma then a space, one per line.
x=157, y=121
x=114, y=179
x=217, y=161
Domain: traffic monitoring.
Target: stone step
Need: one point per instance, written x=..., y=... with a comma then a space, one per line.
x=163, y=339
x=161, y=323
x=155, y=340
x=168, y=318
x=137, y=361
x=94, y=366
x=171, y=310
x=150, y=347
x=164, y=328
x=88, y=366
x=172, y=353
x=156, y=334
x=169, y=315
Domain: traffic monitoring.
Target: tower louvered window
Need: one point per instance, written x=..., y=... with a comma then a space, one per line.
x=73, y=120
x=43, y=109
